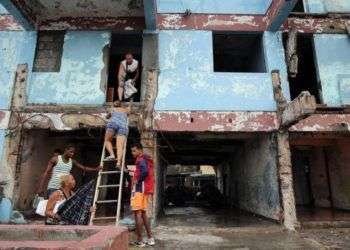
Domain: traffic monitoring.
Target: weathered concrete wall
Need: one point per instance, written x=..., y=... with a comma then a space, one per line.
x=15, y=47
x=187, y=74
x=326, y=6
x=339, y=172
x=333, y=151
x=253, y=177
x=332, y=55
x=319, y=184
x=214, y=6
x=37, y=150
x=2, y=144
x=82, y=78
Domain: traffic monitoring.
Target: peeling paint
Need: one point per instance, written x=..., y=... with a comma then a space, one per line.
x=187, y=74
x=211, y=22
x=254, y=7
x=318, y=25
x=93, y=23
x=215, y=121
x=4, y=119
x=15, y=48
x=8, y=22
x=79, y=79
x=323, y=123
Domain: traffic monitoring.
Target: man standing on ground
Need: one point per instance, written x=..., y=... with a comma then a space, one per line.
x=142, y=190
x=58, y=165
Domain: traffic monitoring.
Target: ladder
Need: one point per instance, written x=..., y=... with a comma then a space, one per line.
x=99, y=187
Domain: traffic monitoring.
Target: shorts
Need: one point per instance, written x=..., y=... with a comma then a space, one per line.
x=117, y=129
x=138, y=201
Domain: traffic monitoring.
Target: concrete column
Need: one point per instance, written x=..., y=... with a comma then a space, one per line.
x=284, y=162
x=285, y=175
x=13, y=142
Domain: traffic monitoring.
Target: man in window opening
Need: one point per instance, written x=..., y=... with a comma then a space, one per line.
x=128, y=70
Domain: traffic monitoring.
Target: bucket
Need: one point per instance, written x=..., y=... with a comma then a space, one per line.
x=5, y=210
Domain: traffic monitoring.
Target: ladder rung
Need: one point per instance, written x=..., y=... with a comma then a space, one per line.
x=108, y=186
x=105, y=218
x=110, y=172
x=106, y=201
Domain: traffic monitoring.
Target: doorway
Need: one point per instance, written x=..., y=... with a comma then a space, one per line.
x=121, y=44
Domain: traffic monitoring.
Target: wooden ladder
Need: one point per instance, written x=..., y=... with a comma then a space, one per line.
x=99, y=187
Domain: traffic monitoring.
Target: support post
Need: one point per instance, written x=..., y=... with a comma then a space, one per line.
x=284, y=163
x=292, y=53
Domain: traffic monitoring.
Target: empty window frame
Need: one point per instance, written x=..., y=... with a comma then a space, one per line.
x=49, y=49
x=306, y=78
x=238, y=52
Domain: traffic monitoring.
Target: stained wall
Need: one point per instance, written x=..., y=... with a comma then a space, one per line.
x=187, y=80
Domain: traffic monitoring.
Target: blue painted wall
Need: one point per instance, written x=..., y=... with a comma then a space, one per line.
x=187, y=80
x=333, y=60
x=2, y=144
x=214, y=6
x=79, y=80
x=16, y=47
x=3, y=10
x=325, y=6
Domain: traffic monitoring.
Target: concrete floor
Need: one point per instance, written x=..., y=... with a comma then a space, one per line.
x=197, y=228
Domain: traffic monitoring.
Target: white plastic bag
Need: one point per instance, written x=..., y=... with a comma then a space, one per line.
x=41, y=208
x=36, y=200
x=129, y=89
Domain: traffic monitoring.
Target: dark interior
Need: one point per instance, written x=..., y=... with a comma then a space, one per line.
x=315, y=184
x=238, y=53
x=182, y=156
x=299, y=7
x=306, y=79
x=120, y=45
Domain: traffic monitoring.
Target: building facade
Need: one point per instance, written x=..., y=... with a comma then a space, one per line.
x=223, y=83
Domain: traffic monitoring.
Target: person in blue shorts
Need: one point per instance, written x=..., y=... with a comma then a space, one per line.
x=117, y=125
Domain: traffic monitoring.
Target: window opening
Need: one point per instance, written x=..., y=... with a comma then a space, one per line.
x=49, y=49
x=238, y=53
x=121, y=44
x=306, y=77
